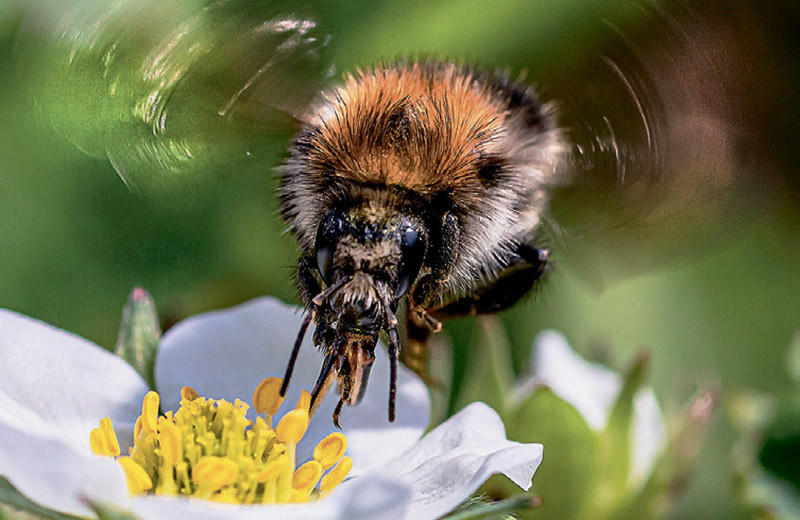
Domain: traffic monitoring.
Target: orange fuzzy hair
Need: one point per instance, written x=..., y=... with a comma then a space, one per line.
x=415, y=126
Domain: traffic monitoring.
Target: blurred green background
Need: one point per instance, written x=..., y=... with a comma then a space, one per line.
x=74, y=240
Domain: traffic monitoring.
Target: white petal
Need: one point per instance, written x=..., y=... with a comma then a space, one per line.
x=225, y=354
x=59, y=385
x=649, y=435
x=53, y=474
x=589, y=387
x=592, y=389
x=362, y=499
x=453, y=460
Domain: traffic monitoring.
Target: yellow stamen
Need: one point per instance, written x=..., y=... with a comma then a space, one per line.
x=138, y=479
x=110, y=436
x=226, y=496
x=307, y=476
x=150, y=405
x=169, y=439
x=189, y=393
x=209, y=449
x=292, y=426
x=266, y=397
x=298, y=496
x=214, y=473
x=137, y=428
x=103, y=440
x=304, y=402
x=336, y=475
x=273, y=469
x=330, y=449
x=97, y=443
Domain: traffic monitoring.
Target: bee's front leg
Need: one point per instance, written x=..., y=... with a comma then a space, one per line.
x=310, y=289
x=429, y=289
x=427, y=293
x=308, y=283
x=307, y=279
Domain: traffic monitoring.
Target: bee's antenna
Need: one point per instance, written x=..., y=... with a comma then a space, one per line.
x=394, y=349
x=310, y=315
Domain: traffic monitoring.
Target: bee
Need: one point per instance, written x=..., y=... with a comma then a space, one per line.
x=415, y=181
x=420, y=189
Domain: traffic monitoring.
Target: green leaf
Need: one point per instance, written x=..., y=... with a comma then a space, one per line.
x=139, y=334
x=500, y=509
x=793, y=359
x=567, y=475
x=10, y=496
x=672, y=470
x=779, y=453
x=489, y=373
x=614, y=444
x=762, y=467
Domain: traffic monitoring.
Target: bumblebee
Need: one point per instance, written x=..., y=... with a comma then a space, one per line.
x=419, y=181
x=418, y=189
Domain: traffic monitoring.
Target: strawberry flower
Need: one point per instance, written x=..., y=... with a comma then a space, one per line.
x=55, y=388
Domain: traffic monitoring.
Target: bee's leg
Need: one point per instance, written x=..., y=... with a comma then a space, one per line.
x=314, y=297
x=309, y=287
x=415, y=351
x=307, y=280
x=323, y=384
x=426, y=293
x=337, y=412
x=512, y=284
x=429, y=289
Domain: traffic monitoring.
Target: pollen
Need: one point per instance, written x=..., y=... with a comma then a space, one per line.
x=103, y=440
x=307, y=476
x=330, y=449
x=138, y=479
x=336, y=475
x=267, y=398
x=292, y=426
x=209, y=449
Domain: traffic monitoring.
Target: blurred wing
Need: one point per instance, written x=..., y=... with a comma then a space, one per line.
x=669, y=122
x=172, y=92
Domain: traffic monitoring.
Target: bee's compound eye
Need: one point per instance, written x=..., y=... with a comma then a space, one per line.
x=412, y=247
x=333, y=225
x=330, y=229
x=409, y=238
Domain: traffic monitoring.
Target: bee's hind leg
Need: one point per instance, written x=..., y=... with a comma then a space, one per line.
x=512, y=284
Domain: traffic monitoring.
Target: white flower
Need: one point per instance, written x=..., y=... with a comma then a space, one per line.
x=55, y=387
x=592, y=389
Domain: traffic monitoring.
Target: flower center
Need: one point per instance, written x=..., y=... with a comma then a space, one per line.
x=209, y=449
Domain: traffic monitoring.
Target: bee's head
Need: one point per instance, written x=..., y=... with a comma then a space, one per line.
x=377, y=249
